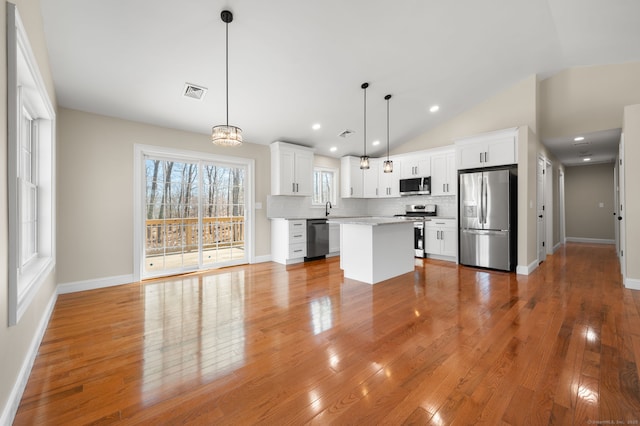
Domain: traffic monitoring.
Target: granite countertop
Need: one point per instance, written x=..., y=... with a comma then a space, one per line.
x=372, y=221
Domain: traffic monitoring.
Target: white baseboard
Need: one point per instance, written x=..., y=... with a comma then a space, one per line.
x=590, y=240
x=526, y=270
x=261, y=259
x=632, y=283
x=94, y=284
x=9, y=411
x=557, y=247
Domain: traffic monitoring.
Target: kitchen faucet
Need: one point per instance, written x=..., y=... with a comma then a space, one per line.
x=327, y=206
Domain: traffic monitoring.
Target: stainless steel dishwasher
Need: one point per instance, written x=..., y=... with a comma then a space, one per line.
x=317, y=238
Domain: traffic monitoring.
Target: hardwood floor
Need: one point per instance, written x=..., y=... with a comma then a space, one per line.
x=300, y=344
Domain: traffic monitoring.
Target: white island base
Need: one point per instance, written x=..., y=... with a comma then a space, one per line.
x=374, y=250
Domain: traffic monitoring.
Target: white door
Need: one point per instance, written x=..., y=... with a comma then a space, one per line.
x=621, y=205
x=542, y=252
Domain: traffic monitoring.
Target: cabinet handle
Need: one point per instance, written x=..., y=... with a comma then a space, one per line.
x=376, y=192
x=352, y=190
x=293, y=187
x=447, y=187
x=297, y=251
x=485, y=157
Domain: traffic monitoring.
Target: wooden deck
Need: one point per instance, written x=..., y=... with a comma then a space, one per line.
x=274, y=344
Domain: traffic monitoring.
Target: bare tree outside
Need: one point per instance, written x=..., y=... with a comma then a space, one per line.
x=176, y=196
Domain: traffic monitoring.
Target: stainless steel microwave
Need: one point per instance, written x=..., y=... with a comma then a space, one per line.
x=415, y=186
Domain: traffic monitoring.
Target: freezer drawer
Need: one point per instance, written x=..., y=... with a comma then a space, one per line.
x=487, y=249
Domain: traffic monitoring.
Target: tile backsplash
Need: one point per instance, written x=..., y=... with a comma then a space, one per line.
x=300, y=207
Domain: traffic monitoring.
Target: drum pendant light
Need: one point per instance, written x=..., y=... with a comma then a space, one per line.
x=224, y=134
x=364, y=160
x=388, y=164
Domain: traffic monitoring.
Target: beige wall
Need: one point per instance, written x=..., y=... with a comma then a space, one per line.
x=513, y=107
x=631, y=216
x=95, y=194
x=15, y=341
x=585, y=188
x=587, y=99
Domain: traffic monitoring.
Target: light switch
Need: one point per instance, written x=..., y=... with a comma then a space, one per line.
x=601, y=205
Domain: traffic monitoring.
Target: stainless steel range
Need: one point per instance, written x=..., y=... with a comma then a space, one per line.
x=419, y=212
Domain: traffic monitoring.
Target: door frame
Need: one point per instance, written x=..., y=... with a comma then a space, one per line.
x=139, y=191
x=540, y=200
x=620, y=209
x=548, y=203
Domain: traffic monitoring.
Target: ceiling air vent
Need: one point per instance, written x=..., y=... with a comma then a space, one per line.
x=345, y=133
x=193, y=91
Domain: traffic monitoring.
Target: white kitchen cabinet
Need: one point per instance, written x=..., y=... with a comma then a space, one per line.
x=488, y=150
x=291, y=169
x=444, y=174
x=417, y=164
x=351, y=177
x=389, y=183
x=288, y=240
x=370, y=178
x=441, y=239
x=334, y=239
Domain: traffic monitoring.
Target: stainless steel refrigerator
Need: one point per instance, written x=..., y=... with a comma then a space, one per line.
x=488, y=218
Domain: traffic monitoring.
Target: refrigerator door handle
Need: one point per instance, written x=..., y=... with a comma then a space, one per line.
x=485, y=198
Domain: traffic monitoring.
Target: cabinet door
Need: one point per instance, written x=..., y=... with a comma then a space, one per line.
x=351, y=177
x=287, y=172
x=501, y=152
x=389, y=183
x=304, y=173
x=471, y=155
x=449, y=241
x=415, y=166
x=371, y=187
x=452, y=174
x=439, y=175
x=334, y=238
x=431, y=240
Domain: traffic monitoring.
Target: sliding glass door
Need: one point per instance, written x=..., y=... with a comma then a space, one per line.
x=194, y=215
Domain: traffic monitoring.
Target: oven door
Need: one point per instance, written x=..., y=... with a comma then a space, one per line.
x=418, y=238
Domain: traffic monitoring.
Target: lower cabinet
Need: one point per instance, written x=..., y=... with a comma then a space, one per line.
x=288, y=240
x=441, y=238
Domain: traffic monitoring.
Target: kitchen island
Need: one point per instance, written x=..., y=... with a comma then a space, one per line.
x=374, y=249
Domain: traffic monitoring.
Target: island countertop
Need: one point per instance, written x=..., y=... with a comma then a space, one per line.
x=371, y=221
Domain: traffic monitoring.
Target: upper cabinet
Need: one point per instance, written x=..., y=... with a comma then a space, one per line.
x=417, y=164
x=489, y=149
x=443, y=173
x=389, y=183
x=351, y=179
x=291, y=169
x=370, y=185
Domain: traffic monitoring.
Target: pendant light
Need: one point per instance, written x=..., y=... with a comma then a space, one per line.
x=224, y=134
x=388, y=164
x=364, y=160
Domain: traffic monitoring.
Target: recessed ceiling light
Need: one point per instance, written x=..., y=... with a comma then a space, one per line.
x=578, y=138
x=586, y=159
x=316, y=126
x=375, y=143
x=333, y=149
x=434, y=108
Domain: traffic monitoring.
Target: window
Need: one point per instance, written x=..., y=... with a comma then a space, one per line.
x=324, y=186
x=30, y=171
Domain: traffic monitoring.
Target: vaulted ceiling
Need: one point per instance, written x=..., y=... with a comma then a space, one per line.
x=295, y=63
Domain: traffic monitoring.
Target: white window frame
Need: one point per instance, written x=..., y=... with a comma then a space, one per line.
x=140, y=152
x=334, y=189
x=27, y=95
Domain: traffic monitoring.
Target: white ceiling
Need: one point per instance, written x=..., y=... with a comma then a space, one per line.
x=294, y=63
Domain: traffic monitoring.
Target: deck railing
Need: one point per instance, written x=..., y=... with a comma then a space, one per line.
x=181, y=235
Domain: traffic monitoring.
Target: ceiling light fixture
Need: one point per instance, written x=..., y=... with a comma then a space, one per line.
x=226, y=135
x=375, y=143
x=434, y=108
x=388, y=164
x=578, y=138
x=586, y=159
x=316, y=126
x=364, y=160
x=333, y=149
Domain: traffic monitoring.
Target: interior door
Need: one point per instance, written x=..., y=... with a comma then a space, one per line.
x=542, y=252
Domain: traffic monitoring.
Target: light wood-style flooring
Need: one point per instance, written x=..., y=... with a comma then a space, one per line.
x=269, y=344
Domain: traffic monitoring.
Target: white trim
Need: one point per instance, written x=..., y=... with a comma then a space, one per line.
x=527, y=270
x=94, y=284
x=632, y=283
x=557, y=247
x=590, y=240
x=261, y=259
x=140, y=150
x=11, y=408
